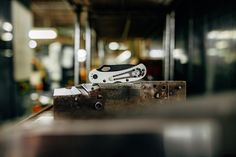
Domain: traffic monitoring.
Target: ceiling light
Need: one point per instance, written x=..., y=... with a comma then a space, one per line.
x=222, y=44
x=178, y=132
x=42, y=33
x=180, y=55
x=81, y=55
x=7, y=26
x=156, y=54
x=124, y=56
x=222, y=35
x=7, y=36
x=212, y=52
x=32, y=44
x=113, y=45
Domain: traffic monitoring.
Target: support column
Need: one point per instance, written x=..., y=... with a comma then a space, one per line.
x=172, y=45
x=169, y=46
x=88, y=49
x=76, y=48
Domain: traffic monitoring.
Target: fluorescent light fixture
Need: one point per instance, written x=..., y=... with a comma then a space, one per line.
x=42, y=33
x=32, y=44
x=81, y=55
x=222, y=44
x=124, y=56
x=222, y=35
x=176, y=132
x=179, y=54
x=156, y=54
x=7, y=26
x=113, y=46
x=7, y=36
x=212, y=52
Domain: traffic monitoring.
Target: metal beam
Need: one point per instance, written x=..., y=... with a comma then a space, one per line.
x=126, y=28
x=88, y=49
x=167, y=48
x=172, y=44
x=76, y=48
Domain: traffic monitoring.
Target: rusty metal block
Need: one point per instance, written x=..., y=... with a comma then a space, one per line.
x=88, y=100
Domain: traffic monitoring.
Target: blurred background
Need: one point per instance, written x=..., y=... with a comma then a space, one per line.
x=47, y=44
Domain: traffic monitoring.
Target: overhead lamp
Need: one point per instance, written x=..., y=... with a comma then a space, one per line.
x=124, y=56
x=7, y=36
x=7, y=26
x=180, y=55
x=178, y=132
x=222, y=35
x=32, y=44
x=221, y=44
x=113, y=45
x=42, y=33
x=81, y=55
x=212, y=52
x=156, y=53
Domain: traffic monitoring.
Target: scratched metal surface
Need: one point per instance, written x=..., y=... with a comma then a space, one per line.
x=100, y=99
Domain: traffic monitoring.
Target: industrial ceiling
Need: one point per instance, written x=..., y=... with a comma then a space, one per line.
x=56, y=13
x=110, y=18
x=127, y=18
x=120, y=18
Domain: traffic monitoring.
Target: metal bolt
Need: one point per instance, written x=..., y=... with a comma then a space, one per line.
x=157, y=95
x=76, y=103
x=98, y=106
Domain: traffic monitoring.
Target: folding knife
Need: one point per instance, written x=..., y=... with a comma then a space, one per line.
x=117, y=73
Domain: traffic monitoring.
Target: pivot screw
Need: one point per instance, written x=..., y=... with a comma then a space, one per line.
x=95, y=76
